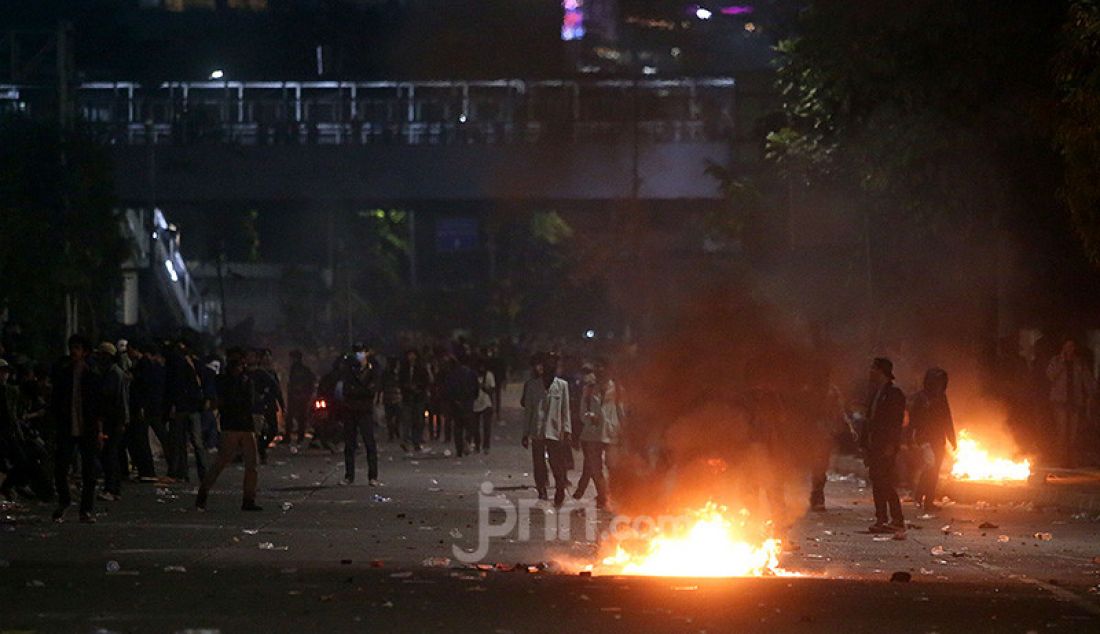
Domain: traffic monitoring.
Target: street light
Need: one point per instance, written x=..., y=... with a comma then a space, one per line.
x=217, y=74
x=703, y=13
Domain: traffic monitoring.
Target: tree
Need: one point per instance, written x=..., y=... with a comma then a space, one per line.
x=1077, y=71
x=933, y=116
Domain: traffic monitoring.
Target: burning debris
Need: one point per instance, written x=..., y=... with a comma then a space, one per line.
x=708, y=542
x=973, y=461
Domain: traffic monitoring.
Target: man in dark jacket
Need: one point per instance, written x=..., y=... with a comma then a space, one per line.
x=73, y=406
x=269, y=400
x=238, y=431
x=461, y=391
x=355, y=396
x=299, y=391
x=136, y=442
x=881, y=442
x=932, y=427
x=183, y=398
x=415, y=381
x=114, y=409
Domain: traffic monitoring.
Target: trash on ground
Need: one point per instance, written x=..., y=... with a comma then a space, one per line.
x=1044, y=537
x=175, y=569
x=436, y=562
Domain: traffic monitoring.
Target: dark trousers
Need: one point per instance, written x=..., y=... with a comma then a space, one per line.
x=210, y=429
x=883, y=473
x=186, y=430
x=483, y=430
x=67, y=448
x=297, y=417
x=593, y=470
x=930, y=476
x=393, y=422
x=557, y=451
x=109, y=457
x=358, y=424
x=464, y=428
x=136, y=444
x=412, y=422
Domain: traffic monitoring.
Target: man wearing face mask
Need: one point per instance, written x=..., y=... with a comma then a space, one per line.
x=355, y=391
x=881, y=442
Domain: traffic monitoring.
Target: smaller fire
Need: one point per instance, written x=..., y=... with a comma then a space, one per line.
x=711, y=544
x=974, y=462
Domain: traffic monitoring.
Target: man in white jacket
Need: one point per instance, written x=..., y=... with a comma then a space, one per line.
x=546, y=405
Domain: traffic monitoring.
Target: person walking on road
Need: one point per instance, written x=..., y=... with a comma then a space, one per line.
x=184, y=400
x=881, y=442
x=355, y=395
x=549, y=426
x=238, y=432
x=932, y=427
x=602, y=410
x=114, y=409
x=300, y=386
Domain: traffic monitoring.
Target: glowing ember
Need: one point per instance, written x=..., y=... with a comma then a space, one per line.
x=707, y=544
x=973, y=462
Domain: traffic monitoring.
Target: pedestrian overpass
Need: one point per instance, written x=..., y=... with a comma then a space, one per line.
x=380, y=142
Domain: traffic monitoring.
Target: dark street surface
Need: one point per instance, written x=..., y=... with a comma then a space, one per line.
x=327, y=557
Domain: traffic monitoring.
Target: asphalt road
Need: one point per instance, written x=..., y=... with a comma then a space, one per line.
x=327, y=557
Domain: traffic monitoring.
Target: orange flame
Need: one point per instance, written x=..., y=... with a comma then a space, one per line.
x=709, y=545
x=974, y=462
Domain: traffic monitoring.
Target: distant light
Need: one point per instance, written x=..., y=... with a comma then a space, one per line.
x=462, y=118
x=676, y=51
x=750, y=27
x=590, y=334
x=649, y=70
x=743, y=9
x=171, y=271
x=703, y=13
x=154, y=235
x=217, y=74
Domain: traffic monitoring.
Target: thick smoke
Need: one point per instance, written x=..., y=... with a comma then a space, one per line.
x=717, y=412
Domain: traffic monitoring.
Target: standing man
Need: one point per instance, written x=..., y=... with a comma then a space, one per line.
x=549, y=426
x=1071, y=387
x=114, y=409
x=881, y=442
x=184, y=401
x=299, y=392
x=269, y=400
x=73, y=407
x=238, y=431
x=415, y=382
x=461, y=390
x=136, y=440
x=355, y=393
x=932, y=427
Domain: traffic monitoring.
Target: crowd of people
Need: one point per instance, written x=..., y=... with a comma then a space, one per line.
x=100, y=411
x=97, y=413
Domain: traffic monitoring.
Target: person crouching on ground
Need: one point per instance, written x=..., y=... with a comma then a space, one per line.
x=238, y=431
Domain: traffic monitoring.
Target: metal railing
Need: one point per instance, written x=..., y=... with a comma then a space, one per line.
x=408, y=113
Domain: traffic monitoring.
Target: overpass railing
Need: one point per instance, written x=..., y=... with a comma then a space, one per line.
x=409, y=113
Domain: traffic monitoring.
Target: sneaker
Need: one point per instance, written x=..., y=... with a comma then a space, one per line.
x=374, y=483
x=542, y=495
x=59, y=514
x=87, y=518
x=881, y=529
x=200, y=501
x=108, y=497
x=249, y=505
